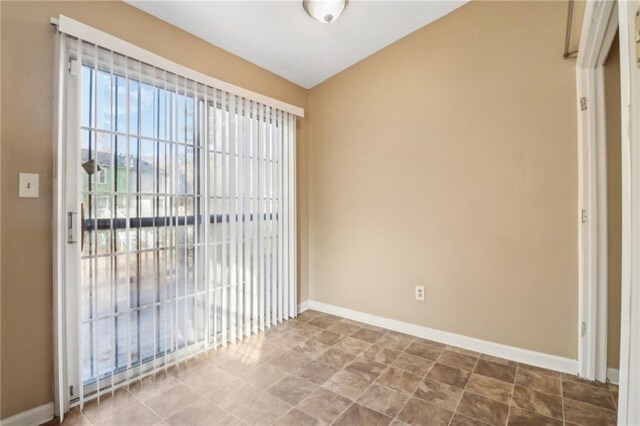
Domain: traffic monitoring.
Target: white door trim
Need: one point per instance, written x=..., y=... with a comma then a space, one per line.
x=628, y=407
x=598, y=31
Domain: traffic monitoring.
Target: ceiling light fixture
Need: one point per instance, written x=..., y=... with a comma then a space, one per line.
x=325, y=11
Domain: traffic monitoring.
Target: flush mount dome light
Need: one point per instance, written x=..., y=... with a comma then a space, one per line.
x=325, y=11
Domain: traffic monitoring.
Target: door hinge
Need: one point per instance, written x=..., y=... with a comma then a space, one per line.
x=584, y=217
x=583, y=329
x=583, y=104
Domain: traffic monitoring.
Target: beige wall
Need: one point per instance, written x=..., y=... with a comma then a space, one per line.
x=614, y=201
x=449, y=160
x=27, y=88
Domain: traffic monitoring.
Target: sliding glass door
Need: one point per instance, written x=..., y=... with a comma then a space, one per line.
x=179, y=202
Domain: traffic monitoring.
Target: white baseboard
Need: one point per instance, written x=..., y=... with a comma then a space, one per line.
x=538, y=359
x=303, y=306
x=613, y=374
x=33, y=417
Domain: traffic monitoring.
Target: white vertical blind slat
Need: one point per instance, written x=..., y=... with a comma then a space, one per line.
x=278, y=131
x=261, y=209
x=285, y=229
x=256, y=218
x=292, y=258
x=226, y=219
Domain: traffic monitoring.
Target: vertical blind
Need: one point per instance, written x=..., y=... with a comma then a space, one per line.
x=187, y=209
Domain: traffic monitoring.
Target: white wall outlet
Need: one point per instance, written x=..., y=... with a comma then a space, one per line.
x=419, y=292
x=28, y=185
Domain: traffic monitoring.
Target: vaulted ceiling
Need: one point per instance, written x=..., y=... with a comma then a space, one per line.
x=280, y=37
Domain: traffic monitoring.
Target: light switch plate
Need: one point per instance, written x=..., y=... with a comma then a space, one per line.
x=28, y=186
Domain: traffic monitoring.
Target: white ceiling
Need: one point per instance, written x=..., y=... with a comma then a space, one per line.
x=280, y=37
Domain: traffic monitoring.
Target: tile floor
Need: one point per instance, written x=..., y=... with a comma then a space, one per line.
x=321, y=369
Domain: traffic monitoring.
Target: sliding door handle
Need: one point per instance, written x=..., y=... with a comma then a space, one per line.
x=72, y=238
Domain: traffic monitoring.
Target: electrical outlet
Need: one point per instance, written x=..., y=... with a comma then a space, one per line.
x=419, y=292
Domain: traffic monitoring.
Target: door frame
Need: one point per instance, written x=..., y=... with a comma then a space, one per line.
x=628, y=407
x=599, y=27
x=598, y=21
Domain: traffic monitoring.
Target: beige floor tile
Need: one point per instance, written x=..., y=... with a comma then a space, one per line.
x=263, y=409
x=233, y=395
x=296, y=417
x=520, y=417
x=343, y=328
x=289, y=361
x=286, y=340
x=367, y=335
x=399, y=379
x=352, y=346
x=201, y=412
x=324, y=405
x=483, y=409
x=462, y=351
x=538, y=402
x=239, y=365
x=311, y=348
x=336, y=358
x=539, y=370
x=209, y=380
x=72, y=418
x=138, y=415
x=263, y=376
x=172, y=400
x=264, y=352
x=357, y=414
x=440, y=394
x=292, y=389
x=491, y=388
x=366, y=369
x=419, y=412
x=503, y=372
x=316, y=372
x=394, y=341
x=327, y=338
x=584, y=392
x=109, y=405
x=381, y=355
x=583, y=414
x=458, y=360
x=449, y=375
x=383, y=399
x=413, y=364
x=305, y=331
x=539, y=382
x=460, y=420
x=424, y=350
x=346, y=384
x=322, y=322
x=152, y=386
x=307, y=315
x=498, y=360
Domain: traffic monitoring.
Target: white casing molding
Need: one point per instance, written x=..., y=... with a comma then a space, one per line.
x=33, y=417
x=628, y=406
x=539, y=359
x=599, y=27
